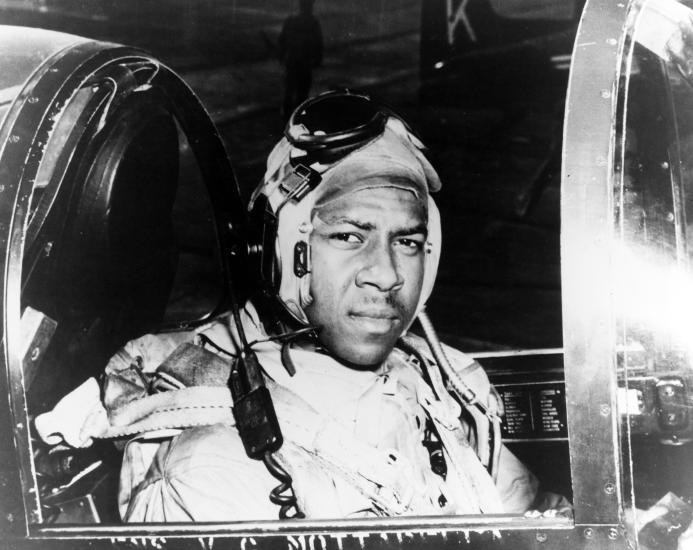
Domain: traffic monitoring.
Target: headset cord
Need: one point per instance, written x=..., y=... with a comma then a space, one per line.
x=283, y=494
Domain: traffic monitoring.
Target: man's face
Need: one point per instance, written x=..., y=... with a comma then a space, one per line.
x=367, y=254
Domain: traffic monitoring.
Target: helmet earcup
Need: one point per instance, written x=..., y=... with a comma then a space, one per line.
x=262, y=265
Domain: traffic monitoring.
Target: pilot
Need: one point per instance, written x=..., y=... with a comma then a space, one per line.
x=345, y=412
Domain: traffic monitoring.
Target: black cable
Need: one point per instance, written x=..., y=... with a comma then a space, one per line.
x=283, y=494
x=286, y=358
x=235, y=312
x=284, y=336
x=207, y=340
x=277, y=495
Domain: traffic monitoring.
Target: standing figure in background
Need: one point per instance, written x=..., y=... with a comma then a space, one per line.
x=300, y=51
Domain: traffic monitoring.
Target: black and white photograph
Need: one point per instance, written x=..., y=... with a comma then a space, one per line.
x=346, y=274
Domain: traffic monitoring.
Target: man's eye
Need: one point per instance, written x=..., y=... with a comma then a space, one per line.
x=346, y=237
x=411, y=244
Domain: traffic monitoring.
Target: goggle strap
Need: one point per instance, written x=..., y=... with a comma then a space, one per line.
x=299, y=182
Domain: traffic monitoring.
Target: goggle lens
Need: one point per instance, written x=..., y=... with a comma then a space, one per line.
x=334, y=123
x=335, y=113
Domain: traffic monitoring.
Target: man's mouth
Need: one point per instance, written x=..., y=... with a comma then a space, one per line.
x=376, y=320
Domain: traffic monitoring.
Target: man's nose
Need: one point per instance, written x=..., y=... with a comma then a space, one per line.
x=380, y=269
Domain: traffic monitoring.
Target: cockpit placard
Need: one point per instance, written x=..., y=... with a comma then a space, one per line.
x=534, y=410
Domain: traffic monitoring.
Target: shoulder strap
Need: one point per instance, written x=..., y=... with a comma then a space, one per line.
x=472, y=375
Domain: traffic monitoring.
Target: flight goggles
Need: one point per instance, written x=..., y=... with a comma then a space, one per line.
x=320, y=133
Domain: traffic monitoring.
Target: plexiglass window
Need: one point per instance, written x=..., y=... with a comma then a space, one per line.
x=653, y=283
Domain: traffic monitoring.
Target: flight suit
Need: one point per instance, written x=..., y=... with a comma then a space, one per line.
x=356, y=442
